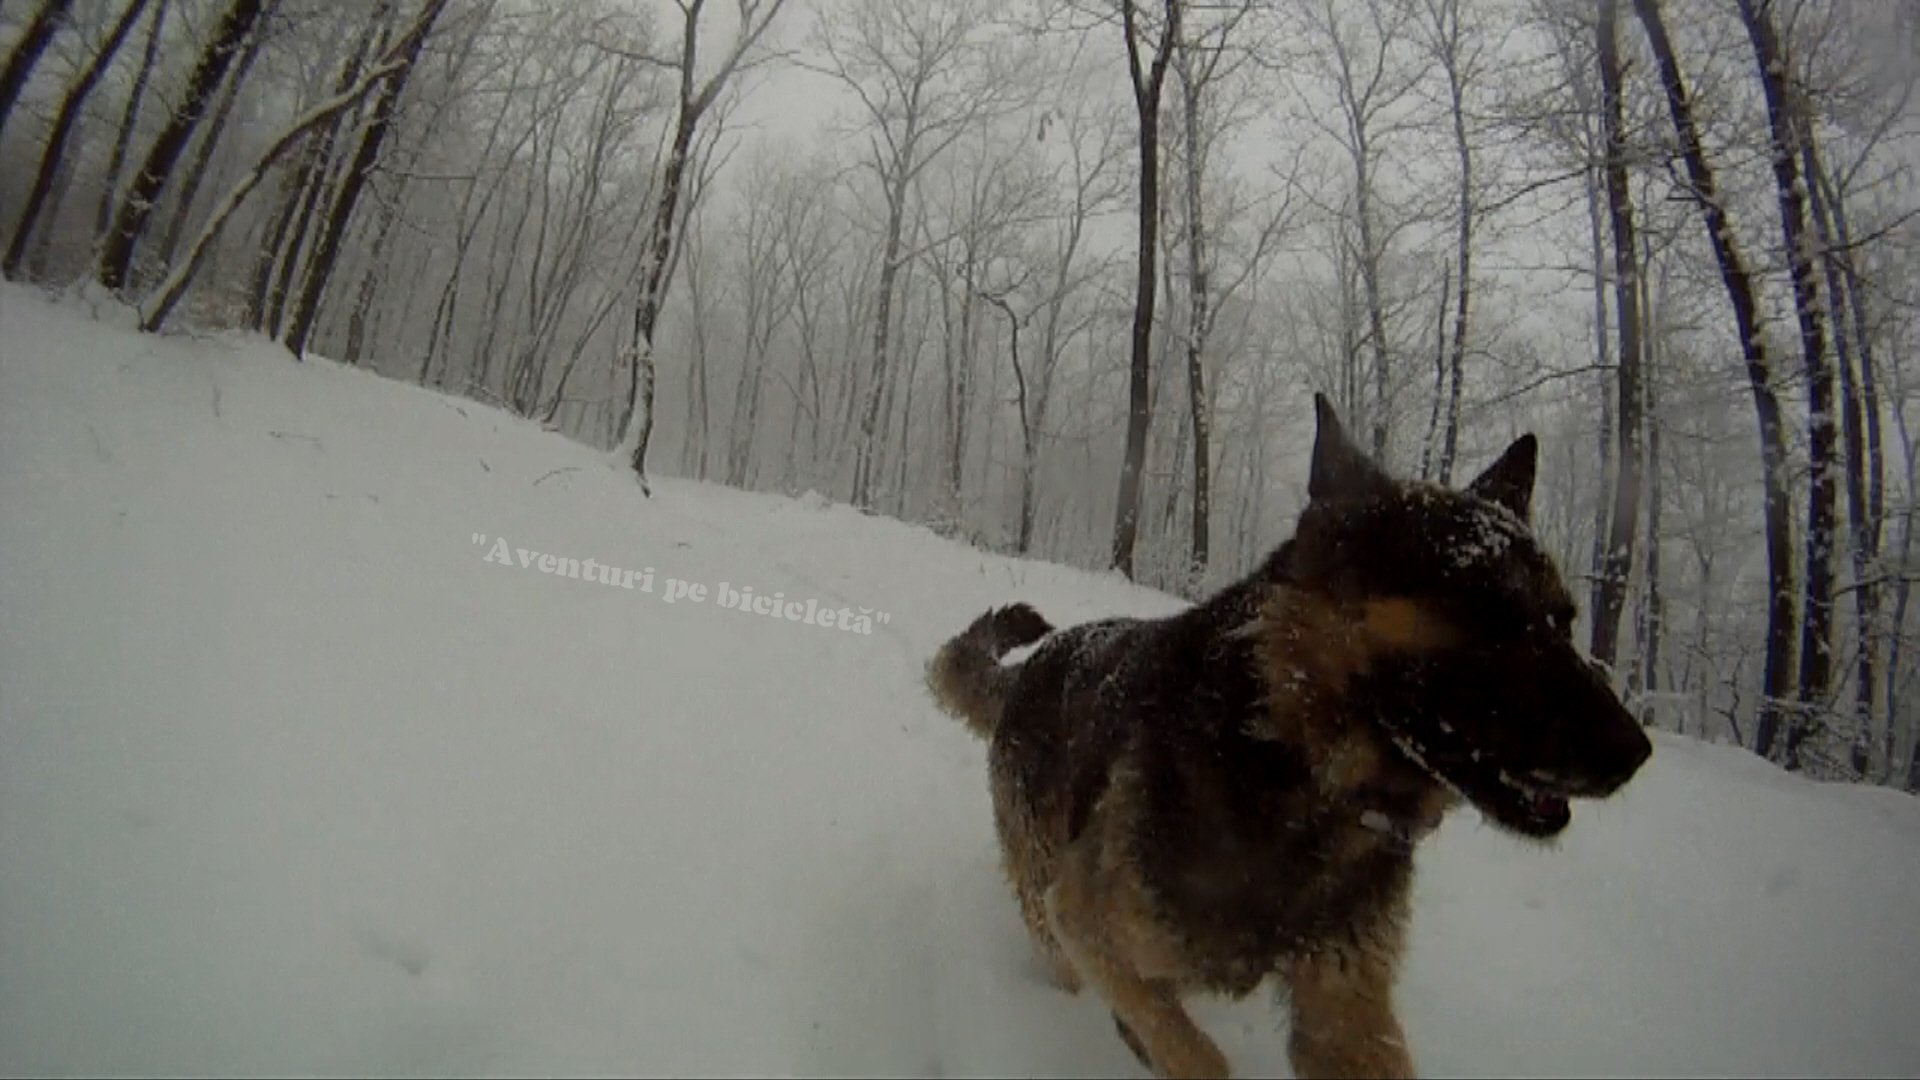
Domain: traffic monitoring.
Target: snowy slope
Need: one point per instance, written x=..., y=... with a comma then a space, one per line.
x=294, y=780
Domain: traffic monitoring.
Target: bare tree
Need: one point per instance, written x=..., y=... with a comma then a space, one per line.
x=136, y=208
x=1357, y=53
x=27, y=51
x=1461, y=55
x=1200, y=65
x=1147, y=78
x=1777, y=675
x=209, y=138
x=776, y=206
x=920, y=78
x=696, y=98
x=64, y=124
x=1093, y=141
x=320, y=267
x=1618, y=564
x=1786, y=151
x=156, y=308
x=117, y=158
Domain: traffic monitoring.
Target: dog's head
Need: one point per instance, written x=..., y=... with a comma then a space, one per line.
x=1464, y=633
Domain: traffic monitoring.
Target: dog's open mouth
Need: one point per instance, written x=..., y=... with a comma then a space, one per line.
x=1527, y=807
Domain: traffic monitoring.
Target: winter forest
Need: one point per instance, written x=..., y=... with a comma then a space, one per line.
x=1059, y=277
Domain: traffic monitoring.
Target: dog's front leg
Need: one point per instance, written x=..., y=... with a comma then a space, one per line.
x=1098, y=920
x=1343, y=1018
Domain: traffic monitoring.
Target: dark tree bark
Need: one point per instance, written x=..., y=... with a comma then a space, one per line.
x=646, y=312
x=370, y=281
x=155, y=309
x=64, y=124
x=1147, y=83
x=1866, y=465
x=27, y=53
x=1864, y=546
x=328, y=248
x=129, y=118
x=1816, y=630
x=1604, y=445
x=282, y=258
x=1430, y=446
x=1023, y=401
x=1618, y=563
x=1199, y=320
x=1777, y=675
x=1654, y=610
x=196, y=172
x=136, y=209
x=1449, y=31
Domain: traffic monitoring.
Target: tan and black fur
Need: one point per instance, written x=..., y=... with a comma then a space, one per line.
x=1200, y=802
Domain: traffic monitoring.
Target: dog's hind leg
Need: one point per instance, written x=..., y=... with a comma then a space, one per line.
x=1097, y=916
x=1343, y=1018
x=1046, y=948
x=1029, y=859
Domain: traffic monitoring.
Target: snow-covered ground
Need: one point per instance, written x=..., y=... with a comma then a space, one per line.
x=294, y=780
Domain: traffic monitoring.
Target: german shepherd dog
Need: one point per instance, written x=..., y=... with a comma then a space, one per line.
x=1195, y=803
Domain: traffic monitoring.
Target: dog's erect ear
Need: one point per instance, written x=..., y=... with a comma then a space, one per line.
x=1340, y=469
x=1509, y=481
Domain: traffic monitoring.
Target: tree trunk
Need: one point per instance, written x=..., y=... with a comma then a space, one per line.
x=196, y=172
x=882, y=334
x=320, y=268
x=136, y=209
x=1449, y=444
x=370, y=281
x=1618, y=564
x=1024, y=539
x=129, y=117
x=154, y=310
x=1199, y=322
x=1866, y=594
x=1370, y=290
x=1604, y=444
x=27, y=52
x=1869, y=532
x=1146, y=98
x=1430, y=446
x=1816, y=639
x=646, y=311
x=280, y=258
x=63, y=127
x=1653, y=625
x=1777, y=676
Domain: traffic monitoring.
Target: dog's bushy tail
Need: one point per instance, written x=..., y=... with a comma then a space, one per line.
x=966, y=676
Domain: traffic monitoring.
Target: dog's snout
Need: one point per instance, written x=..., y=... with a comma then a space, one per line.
x=1633, y=751
x=1616, y=751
